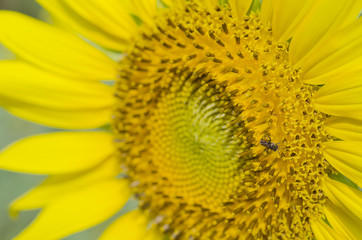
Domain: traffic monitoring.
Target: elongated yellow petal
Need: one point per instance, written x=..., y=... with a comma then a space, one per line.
x=344, y=197
x=107, y=23
x=239, y=8
x=78, y=211
x=339, y=72
x=23, y=82
x=65, y=119
x=346, y=157
x=345, y=128
x=111, y=13
x=345, y=225
x=337, y=55
x=266, y=12
x=53, y=49
x=323, y=19
x=341, y=99
x=48, y=99
x=322, y=231
x=132, y=225
x=55, y=187
x=288, y=15
x=57, y=153
x=145, y=10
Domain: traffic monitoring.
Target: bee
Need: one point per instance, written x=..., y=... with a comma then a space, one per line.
x=269, y=144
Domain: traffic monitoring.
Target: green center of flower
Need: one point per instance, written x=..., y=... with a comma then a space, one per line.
x=205, y=100
x=193, y=143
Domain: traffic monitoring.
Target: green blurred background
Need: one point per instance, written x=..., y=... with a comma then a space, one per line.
x=12, y=128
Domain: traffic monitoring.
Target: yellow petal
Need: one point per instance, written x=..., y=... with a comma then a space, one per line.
x=346, y=157
x=55, y=187
x=174, y=3
x=51, y=91
x=211, y=4
x=344, y=128
x=343, y=224
x=285, y=16
x=326, y=76
x=57, y=153
x=344, y=197
x=146, y=10
x=22, y=82
x=341, y=99
x=78, y=211
x=239, y=8
x=322, y=231
x=107, y=23
x=337, y=55
x=130, y=226
x=53, y=49
x=65, y=119
x=266, y=12
x=323, y=19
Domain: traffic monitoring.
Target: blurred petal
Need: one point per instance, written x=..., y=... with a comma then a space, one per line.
x=22, y=84
x=55, y=187
x=107, y=23
x=266, y=12
x=130, y=226
x=239, y=8
x=211, y=4
x=57, y=153
x=53, y=49
x=49, y=90
x=146, y=10
x=66, y=119
x=174, y=3
x=154, y=234
x=78, y=211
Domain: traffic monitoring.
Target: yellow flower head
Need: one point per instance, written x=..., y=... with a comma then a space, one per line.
x=229, y=120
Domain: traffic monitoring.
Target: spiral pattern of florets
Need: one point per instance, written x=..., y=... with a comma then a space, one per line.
x=196, y=95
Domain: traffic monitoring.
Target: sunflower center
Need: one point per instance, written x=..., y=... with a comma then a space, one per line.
x=217, y=131
x=192, y=146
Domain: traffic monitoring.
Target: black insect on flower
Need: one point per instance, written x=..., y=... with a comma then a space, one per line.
x=269, y=144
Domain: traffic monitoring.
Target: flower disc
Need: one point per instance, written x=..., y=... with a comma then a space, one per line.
x=217, y=131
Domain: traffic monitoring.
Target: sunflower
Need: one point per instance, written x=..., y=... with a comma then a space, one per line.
x=225, y=120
